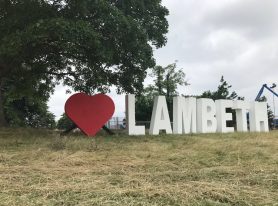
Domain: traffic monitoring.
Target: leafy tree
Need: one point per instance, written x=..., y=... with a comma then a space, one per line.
x=222, y=92
x=28, y=107
x=89, y=45
x=27, y=113
x=64, y=122
x=144, y=106
x=166, y=82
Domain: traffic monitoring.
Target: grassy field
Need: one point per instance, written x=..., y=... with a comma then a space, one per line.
x=41, y=168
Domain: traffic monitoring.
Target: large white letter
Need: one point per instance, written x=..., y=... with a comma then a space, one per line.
x=184, y=115
x=241, y=108
x=258, y=117
x=130, y=116
x=206, y=121
x=160, y=117
x=222, y=116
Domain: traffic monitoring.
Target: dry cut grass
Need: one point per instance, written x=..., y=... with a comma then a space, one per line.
x=41, y=168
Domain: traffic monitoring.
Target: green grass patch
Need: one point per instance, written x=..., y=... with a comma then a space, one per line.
x=38, y=167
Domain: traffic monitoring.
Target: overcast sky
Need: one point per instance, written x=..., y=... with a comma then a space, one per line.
x=210, y=38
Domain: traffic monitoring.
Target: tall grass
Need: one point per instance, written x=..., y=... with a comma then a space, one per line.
x=41, y=168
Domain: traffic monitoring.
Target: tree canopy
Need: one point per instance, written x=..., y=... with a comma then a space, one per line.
x=28, y=107
x=222, y=92
x=166, y=82
x=64, y=123
x=89, y=45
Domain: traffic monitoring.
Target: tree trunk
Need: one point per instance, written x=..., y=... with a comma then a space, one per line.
x=168, y=86
x=3, y=122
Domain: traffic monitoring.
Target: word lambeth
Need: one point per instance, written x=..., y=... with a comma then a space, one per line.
x=191, y=115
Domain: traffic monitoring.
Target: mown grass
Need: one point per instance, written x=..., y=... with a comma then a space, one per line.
x=41, y=168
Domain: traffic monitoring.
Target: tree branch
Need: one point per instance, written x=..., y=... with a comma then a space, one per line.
x=60, y=74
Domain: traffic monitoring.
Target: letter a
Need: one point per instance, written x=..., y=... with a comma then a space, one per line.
x=160, y=117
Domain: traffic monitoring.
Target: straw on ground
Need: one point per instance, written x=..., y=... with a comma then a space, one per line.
x=41, y=168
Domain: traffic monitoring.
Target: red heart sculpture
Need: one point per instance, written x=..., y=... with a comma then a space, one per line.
x=89, y=113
